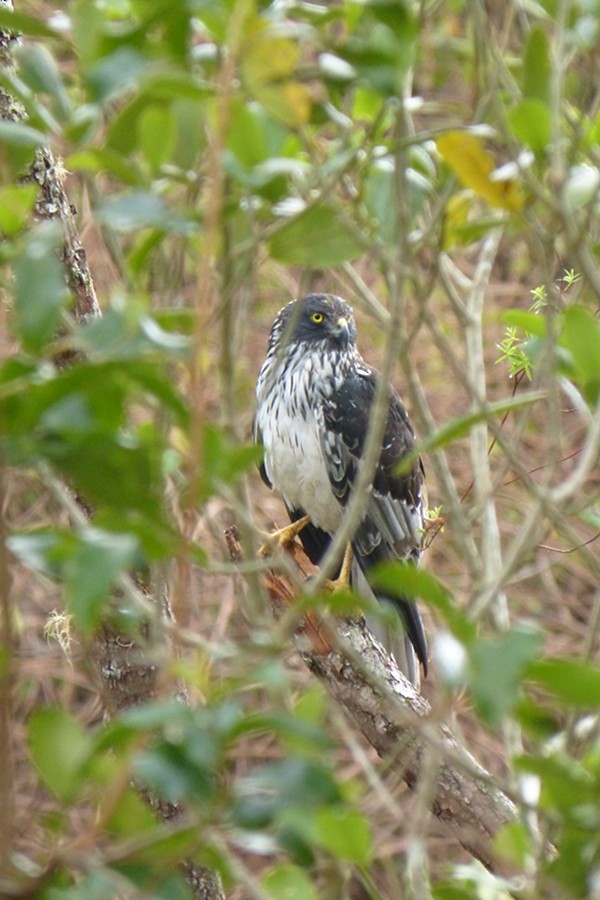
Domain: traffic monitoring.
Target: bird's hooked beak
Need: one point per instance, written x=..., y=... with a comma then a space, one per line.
x=342, y=330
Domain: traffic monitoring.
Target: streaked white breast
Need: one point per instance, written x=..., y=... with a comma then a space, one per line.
x=288, y=421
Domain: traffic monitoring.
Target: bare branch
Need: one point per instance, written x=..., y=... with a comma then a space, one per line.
x=53, y=204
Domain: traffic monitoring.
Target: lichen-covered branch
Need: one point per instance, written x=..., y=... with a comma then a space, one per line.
x=395, y=718
x=52, y=203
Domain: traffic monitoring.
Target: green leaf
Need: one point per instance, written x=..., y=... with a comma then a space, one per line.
x=126, y=333
x=167, y=341
x=381, y=48
x=287, y=882
x=461, y=426
x=379, y=193
x=537, y=66
x=146, y=871
x=223, y=461
x=19, y=22
x=581, y=337
x=345, y=834
x=92, y=570
x=16, y=203
x=317, y=238
x=397, y=15
x=168, y=769
x=530, y=322
x=405, y=580
x=156, y=132
x=343, y=603
x=185, y=99
x=121, y=473
x=190, y=132
x=40, y=72
x=572, y=682
x=154, y=714
x=88, y=23
x=136, y=209
x=458, y=226
x=284, y=791
x=297, y=735
x=367, y=105
x=539, y=722
x=89, y=561
x=20, y=135
x=37, y=550
x=446, y=890
x=131, y=817
x=567, y=784
x=112, y=75
x=40, y=288
x=334, y=68
x=246, y=136
x=101, y=884
x=59, y=748
x=311, y=706
x=513, y=843
x=165, y=852
x=571, y=865
x=106, y=160
x=531, y=123
x=18, y=145
x=498, y=669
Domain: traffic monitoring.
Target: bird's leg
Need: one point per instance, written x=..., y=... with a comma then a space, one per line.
x=283, y=537
x=342, y=582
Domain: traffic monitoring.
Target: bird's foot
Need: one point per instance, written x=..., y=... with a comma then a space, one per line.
x=342, y=582
x=283, y=537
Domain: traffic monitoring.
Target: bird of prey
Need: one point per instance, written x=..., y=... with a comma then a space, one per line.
x=314, y=395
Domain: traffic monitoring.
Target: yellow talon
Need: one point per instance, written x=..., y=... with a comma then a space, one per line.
x=283, y=537
x=342, y=582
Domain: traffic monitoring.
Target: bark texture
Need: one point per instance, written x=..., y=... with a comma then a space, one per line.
x=395, y=719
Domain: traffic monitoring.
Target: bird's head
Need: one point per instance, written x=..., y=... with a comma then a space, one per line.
x=322, y=319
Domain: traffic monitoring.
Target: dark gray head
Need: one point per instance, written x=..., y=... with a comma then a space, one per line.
x=322, y=319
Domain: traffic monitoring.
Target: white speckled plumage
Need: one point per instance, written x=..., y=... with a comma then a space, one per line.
x=313, y=398
x=291, y=433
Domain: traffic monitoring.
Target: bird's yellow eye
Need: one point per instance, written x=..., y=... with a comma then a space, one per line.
x=317, y=318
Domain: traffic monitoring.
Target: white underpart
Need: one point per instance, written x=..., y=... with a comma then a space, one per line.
x=290, y=432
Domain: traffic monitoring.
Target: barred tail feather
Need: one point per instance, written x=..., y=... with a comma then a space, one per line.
x=413, y=625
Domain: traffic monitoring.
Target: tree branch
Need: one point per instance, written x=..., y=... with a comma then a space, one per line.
x=53, y=204
x=396, y=720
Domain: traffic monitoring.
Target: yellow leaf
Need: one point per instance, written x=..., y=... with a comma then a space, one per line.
x=267, y=57
x=288, y=102
x=455, y=216
x=268, y=61
x=473, y=165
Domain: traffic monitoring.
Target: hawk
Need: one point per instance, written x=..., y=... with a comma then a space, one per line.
x=314, y=395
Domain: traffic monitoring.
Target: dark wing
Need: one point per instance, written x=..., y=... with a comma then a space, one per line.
x=391, y=528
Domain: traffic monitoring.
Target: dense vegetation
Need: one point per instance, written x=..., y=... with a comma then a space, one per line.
x=437, y=164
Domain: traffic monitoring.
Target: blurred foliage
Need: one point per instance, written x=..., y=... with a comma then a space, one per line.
x=305, y=111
